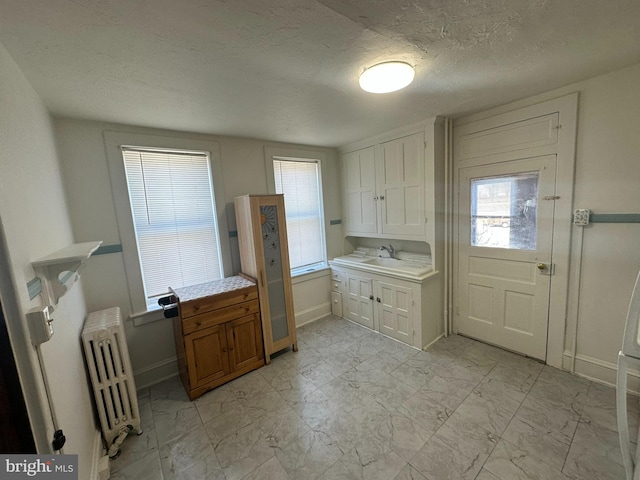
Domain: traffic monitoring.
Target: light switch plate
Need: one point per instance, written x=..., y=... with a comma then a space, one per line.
x=581, y=217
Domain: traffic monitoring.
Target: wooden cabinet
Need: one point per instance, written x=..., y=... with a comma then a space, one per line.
x=385, y=189
x=218, y=333
x=264, y=255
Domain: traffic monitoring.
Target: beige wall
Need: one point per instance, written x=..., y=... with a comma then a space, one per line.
x=35, y=223
x=607, y=181
x=86, y=176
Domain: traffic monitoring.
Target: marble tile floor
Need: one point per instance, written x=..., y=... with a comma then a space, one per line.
x=353, y=404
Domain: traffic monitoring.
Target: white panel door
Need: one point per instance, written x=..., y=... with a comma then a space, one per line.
x=395, y=311
x=401, y=190
x=360, y=187
x=505, y=233
x=359, y=302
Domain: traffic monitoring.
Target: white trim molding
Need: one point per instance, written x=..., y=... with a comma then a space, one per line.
x=600, y=371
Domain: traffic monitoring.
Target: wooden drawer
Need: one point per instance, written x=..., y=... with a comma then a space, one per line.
x=215, y=302
x=221, y=315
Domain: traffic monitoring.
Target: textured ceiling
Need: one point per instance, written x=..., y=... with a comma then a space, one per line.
x=287, y=70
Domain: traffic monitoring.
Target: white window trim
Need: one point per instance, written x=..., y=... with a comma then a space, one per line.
x=300, y=155
x=113, y=141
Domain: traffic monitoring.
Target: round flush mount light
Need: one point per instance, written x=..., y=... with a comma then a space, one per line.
x=386, y=77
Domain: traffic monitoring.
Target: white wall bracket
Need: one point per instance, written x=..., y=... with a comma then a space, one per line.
x=60, y=270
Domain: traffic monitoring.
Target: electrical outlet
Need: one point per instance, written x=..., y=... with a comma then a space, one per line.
x=581, y=217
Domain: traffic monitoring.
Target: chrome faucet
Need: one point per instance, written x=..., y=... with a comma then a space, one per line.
x=389, y=249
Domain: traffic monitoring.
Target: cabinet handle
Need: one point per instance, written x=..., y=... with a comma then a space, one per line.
x=378, y=299
x=381, y=197
x=375, y=198
x=370, y=297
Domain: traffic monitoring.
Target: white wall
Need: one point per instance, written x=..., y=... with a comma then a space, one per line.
x=607, y=181
x=86, y=177
x=35, y=223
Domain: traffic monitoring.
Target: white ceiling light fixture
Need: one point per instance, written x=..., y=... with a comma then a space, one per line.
x=386, y=77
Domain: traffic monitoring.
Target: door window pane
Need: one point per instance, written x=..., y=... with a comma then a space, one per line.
x=503, y=211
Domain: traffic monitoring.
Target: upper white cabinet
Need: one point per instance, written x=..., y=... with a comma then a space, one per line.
x=401, y=186
x=385, y=189
x=360, y=195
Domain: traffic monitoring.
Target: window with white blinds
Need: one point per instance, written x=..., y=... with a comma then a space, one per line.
x=174, y=217
x=299, y=181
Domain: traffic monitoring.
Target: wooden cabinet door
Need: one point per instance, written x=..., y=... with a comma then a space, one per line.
x=244, y=338
x=401, y=185
x=207, y=357
x=360, y=191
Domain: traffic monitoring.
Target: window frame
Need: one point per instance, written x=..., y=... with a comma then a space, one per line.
x=119, y=189
x=309, y=156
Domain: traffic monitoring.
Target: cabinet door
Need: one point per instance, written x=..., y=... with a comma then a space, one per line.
x=359, y=301
x=244, y=338
x=281, y=326
x=207, y=358
x=401, y=185
x=395, y=311
x=360, y=190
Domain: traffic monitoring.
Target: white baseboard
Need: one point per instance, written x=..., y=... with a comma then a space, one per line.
x=156, y=373
x=97, y=465
x=600, y=371
x=434, y=341
x=312, y=314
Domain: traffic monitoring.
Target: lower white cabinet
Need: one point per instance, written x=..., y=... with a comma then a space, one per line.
x=399, y=308
x=359, y=298
x=395, y=311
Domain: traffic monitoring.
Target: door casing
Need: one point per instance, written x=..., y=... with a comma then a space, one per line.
x=564, y=148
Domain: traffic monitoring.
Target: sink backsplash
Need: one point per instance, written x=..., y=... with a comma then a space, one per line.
x=399, y=254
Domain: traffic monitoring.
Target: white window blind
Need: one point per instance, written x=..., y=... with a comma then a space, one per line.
x=299, y=181
x=171, y=195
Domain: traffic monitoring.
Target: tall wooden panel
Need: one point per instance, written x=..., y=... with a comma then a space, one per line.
x=264, y=255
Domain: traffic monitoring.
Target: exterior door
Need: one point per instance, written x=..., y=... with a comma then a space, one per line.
x=359, y=307
x=505, y=232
